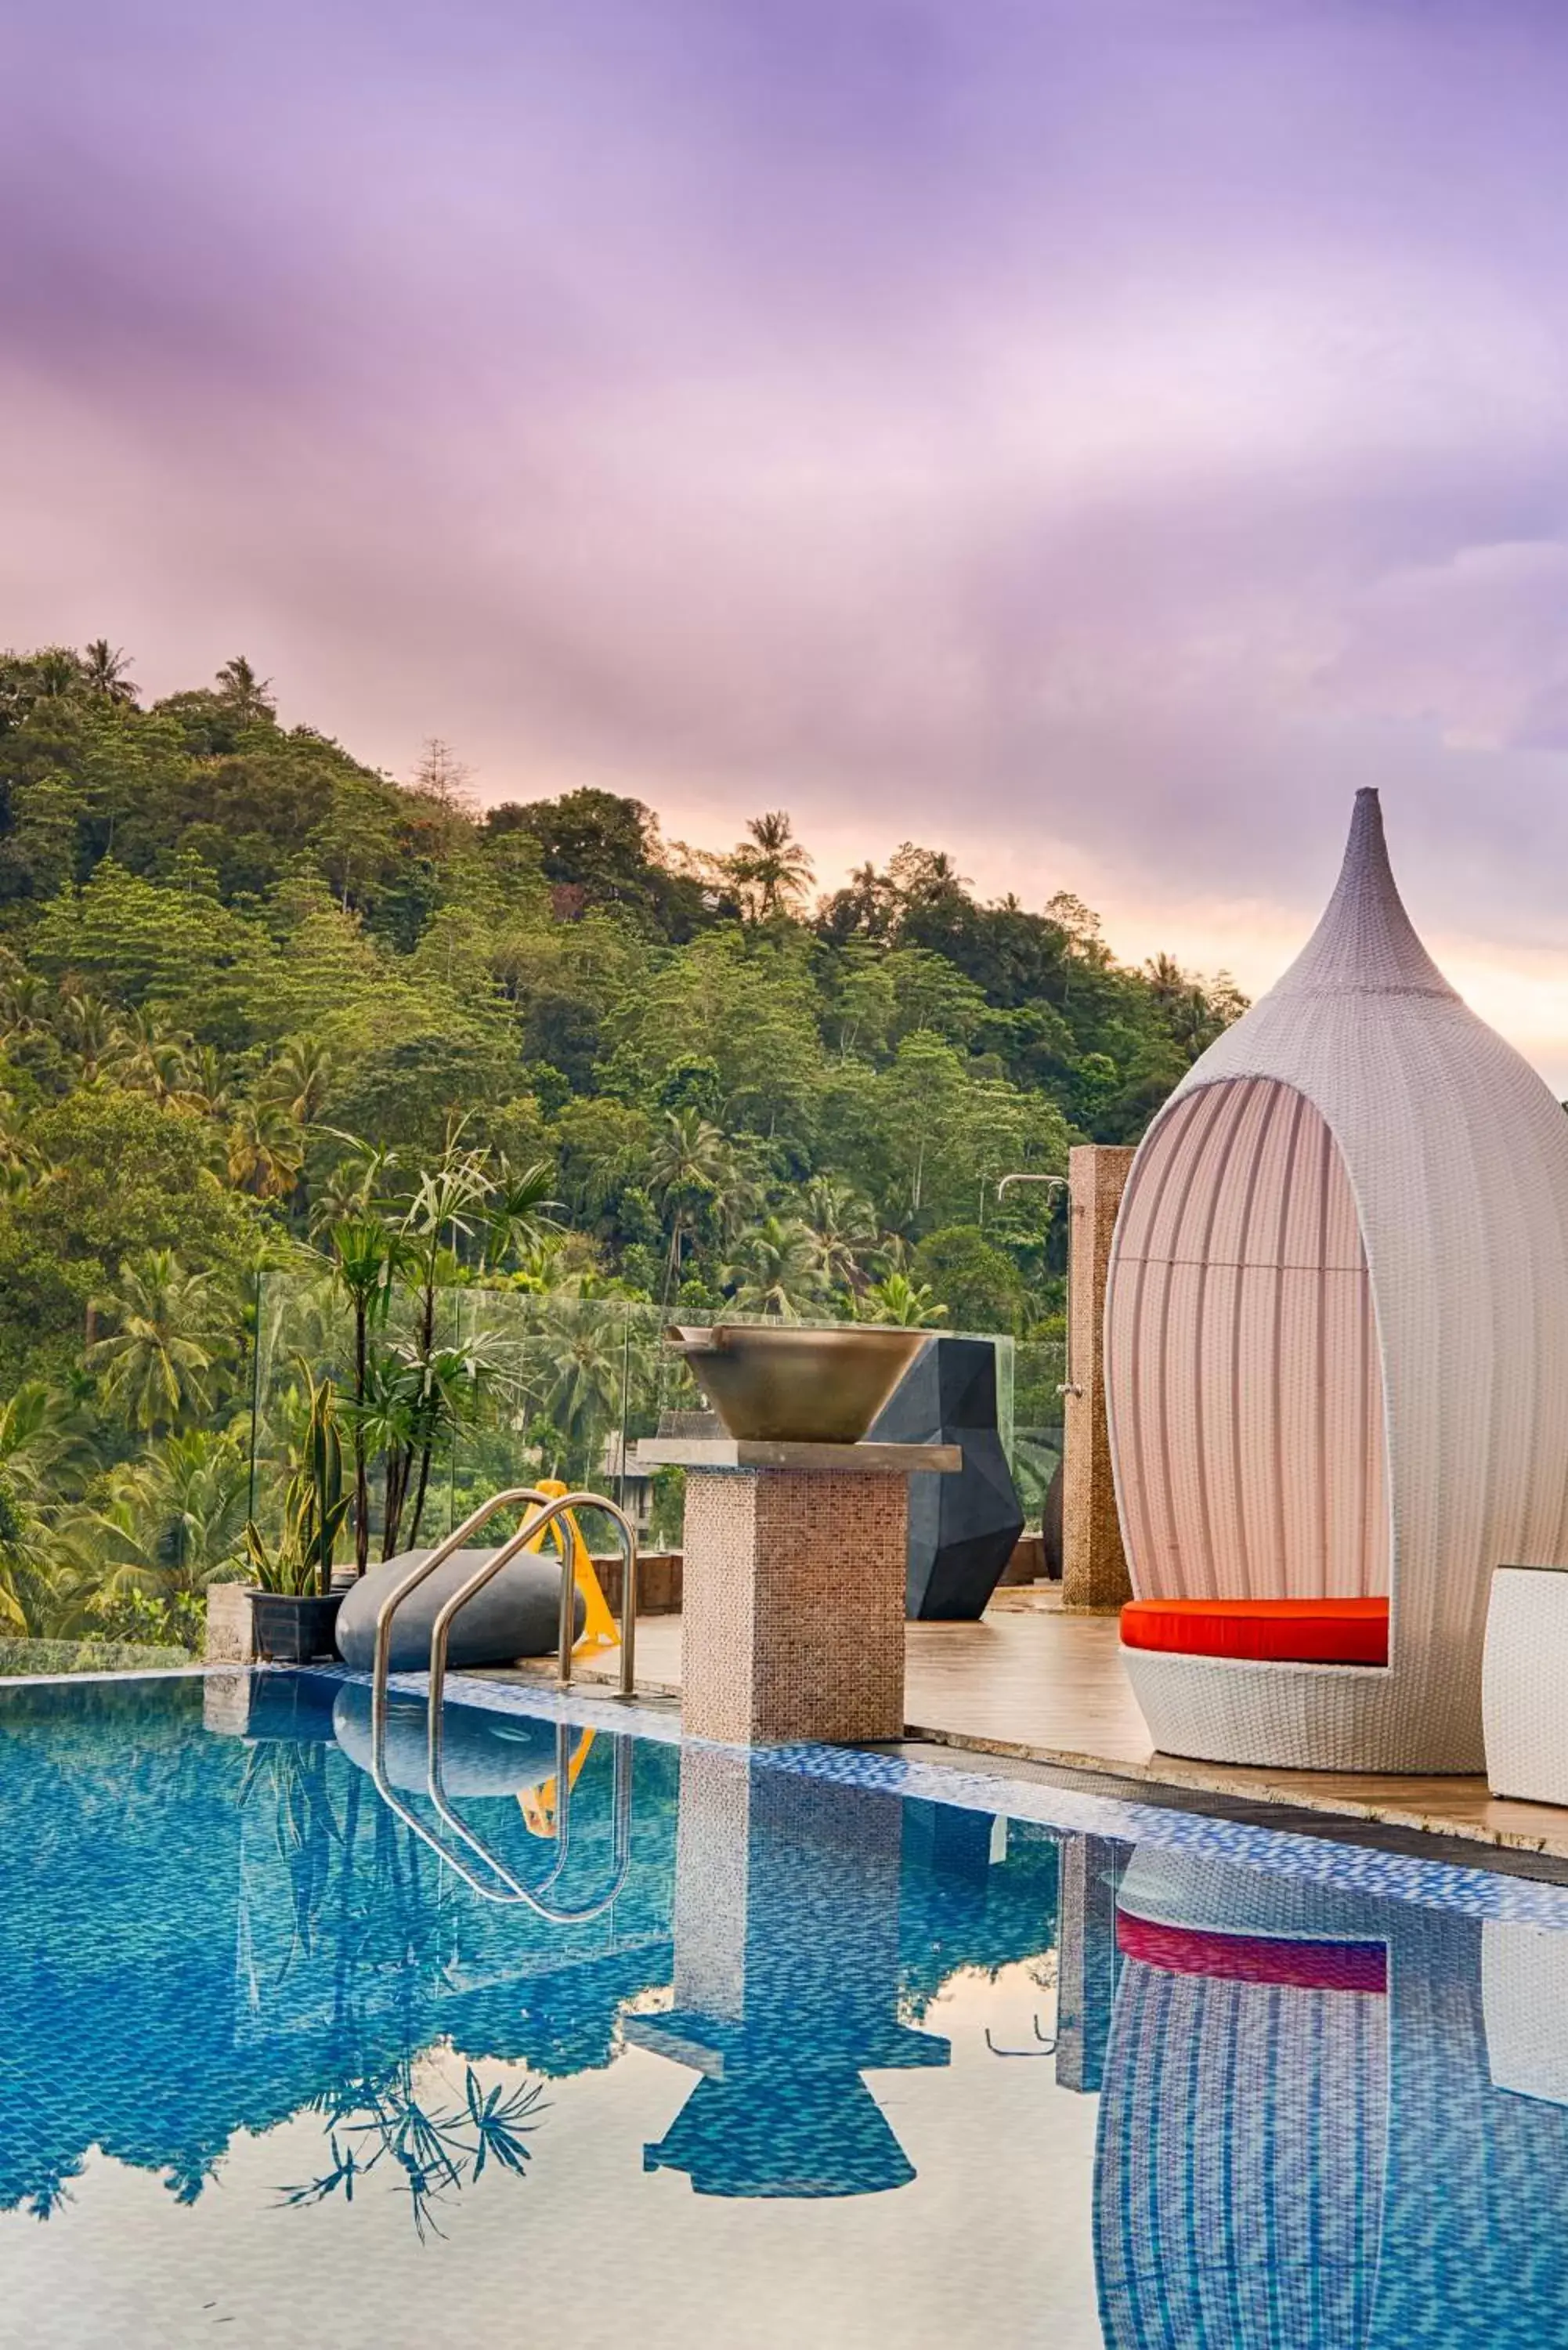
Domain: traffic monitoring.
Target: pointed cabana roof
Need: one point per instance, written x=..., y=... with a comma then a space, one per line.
x=1337, y=1342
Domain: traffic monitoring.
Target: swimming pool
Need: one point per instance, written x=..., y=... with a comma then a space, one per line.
x=814, y=2048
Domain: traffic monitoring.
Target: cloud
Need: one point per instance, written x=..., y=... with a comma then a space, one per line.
x=1097, y=440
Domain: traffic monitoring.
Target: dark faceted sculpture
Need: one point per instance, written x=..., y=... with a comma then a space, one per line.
x=963, y=1528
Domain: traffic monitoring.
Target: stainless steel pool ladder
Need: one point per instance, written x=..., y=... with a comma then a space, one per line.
x=550, y=1510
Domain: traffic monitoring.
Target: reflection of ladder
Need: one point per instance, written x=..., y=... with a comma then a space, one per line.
x=551, y=1510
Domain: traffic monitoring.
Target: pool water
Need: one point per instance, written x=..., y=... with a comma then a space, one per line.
x=665, y=2046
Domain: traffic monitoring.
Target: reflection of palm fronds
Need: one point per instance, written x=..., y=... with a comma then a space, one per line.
x=436, y=2150
x=500, y=2124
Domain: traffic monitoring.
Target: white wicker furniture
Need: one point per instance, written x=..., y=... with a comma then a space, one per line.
x=1524, y=1685
x=1336, y=1334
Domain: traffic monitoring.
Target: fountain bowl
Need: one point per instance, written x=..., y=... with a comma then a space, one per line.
x=781, y=1383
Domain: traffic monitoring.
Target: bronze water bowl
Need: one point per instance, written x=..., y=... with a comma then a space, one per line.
x=781, y=1383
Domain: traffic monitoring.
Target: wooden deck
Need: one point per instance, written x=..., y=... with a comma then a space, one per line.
x=1034, y=1682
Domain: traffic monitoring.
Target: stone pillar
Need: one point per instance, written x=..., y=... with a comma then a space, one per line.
x=1093, y=1570
x=794, y=1560
x=793, y=1626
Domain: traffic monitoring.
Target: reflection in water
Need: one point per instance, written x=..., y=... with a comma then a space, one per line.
x=786, y=1983
x=215, y=1931
x=1326, y=2122
x=1315, y=2132
x=433, y=2149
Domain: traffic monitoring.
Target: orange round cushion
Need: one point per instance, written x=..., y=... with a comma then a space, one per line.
x=1265, y=1631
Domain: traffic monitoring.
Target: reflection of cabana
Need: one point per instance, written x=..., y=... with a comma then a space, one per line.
x=1337, y=1358
x=1304, y=2141
x=1239, y=2169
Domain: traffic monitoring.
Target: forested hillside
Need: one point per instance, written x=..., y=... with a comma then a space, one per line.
x=254, y=995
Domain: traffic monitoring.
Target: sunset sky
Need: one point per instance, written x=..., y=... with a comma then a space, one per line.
x=1093, y=436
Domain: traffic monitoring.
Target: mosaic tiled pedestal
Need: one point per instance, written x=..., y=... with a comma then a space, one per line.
x=793, y=1626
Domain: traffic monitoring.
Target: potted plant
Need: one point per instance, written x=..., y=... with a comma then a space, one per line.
x=294, y=1608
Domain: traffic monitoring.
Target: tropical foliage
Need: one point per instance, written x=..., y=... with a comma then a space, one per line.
x=265, y=1013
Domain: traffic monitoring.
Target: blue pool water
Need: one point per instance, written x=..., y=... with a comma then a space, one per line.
x=812, y=2049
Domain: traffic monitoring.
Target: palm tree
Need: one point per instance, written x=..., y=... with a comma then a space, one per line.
x=36, y=1441
x=415, y=1397
x=1168, y=983
x=104, y=671
x=355, y=1184
x=844, y=1227
x=579, y=1357
x=299, y=1081
x=449, y=1202
x=266, y=1151
x=57, y=672
x=149, y=1056
x=689, y=1165
x=910, y=1304
x=778, y=1269
x=89, y=1029
x=156, y=1365
x=205, y=1086
x=250, y=695
x=515, y=1223
x=22, y=1001
x=167, y=1522
x=772, y=867
x=365, y=1263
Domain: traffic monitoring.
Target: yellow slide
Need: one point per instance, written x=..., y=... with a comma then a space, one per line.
x=599, y=1624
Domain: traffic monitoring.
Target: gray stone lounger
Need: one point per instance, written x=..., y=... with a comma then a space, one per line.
x=515, y=1616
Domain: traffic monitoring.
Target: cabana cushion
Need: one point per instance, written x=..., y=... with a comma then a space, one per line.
x=1263, y=1631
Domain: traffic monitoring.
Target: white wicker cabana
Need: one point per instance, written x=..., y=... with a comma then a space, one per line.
x=1337, y=1357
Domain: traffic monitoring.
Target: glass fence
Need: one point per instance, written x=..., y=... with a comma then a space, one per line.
x=533, y=1386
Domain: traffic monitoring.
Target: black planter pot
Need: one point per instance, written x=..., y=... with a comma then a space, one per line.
x=290, y=1627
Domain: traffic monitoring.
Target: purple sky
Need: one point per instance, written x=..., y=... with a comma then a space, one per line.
x=1091, y=435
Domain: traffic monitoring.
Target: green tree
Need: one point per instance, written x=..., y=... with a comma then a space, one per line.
x=777, y=1268
x=910, y=1304
x=976, y=1282
x=106, y=672
x=157, y=1366
x=689, y=1165
x=771, y=867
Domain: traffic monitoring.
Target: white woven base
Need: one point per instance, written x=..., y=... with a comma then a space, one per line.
x=1201, y=1894
x=1302, y=1717
x=1524, y=1685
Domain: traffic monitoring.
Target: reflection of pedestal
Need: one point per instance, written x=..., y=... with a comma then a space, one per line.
x=1087, y=1958
x=786, y=1984
x=792, y=1622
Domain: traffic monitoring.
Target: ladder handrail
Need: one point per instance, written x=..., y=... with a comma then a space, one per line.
x=516, y=1891
x=440, y=1630
x=381, y=1655
x=555, y=1507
